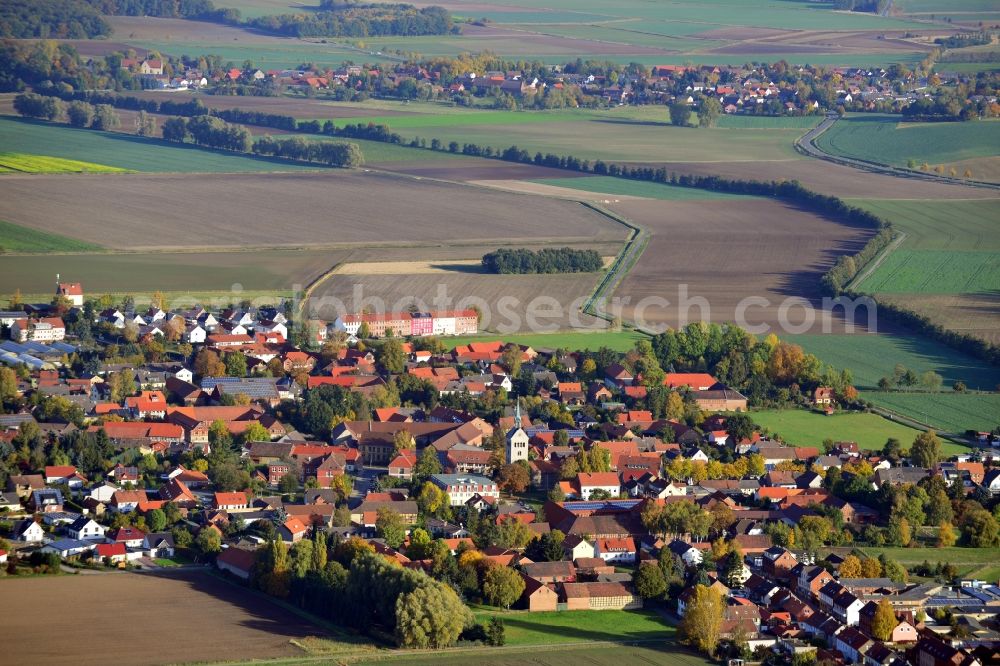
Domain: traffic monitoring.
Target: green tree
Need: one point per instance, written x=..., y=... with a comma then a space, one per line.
x=702, y=619
x=156, y=520
x=708, y=112
x=884, y=621
x=430, y=616
x=502, y=586
x=496, y=633
x=236, y=364
x=319, y=551
x=390, y=527
x=899, y=533
x=105, y=118
x=391, y=356
x=680, y=114
x=926, y=449
x=302, y=558
x=8, y=384
x=427, y=464
x=80, y=114
x=981, y=529
x=209, y=540
x=649, y=581
x=431, y=499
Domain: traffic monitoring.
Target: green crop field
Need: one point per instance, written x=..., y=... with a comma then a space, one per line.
x=942, y=225
x=636, y=188
x=884, y=139
x=574, y=341
x=935, y=272
x=871, y=357
x=15, y=238
x=951, y=412
x=127, y=152
x=622, y=139
x=25, y=163
x=575, y=626
x=808, y=428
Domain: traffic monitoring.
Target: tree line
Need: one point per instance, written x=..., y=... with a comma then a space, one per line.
x=51, y=19
x=337, y=154
x=547, y=260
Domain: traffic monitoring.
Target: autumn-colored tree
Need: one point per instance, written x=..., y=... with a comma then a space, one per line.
x=702, y=620
x=402, y=440
x=174, y=329
x=208, y=364
x=514, y=478
x=871, y=568
x=946, y=537
x=502, y=586
x=884, y=621
x=785, y=363
x=851, y=567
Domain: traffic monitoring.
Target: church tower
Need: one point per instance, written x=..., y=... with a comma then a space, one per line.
x=517, y=439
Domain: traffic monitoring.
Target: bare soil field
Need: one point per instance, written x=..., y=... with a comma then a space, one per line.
x=727, y=250
x=180, y=618
x=542, y=44
x=298, y=107
x=982, y=168
x=812, y=41
x=276, y=210
x=835, y=179
x=504, y=299
x=429, y=267
x=975, y=314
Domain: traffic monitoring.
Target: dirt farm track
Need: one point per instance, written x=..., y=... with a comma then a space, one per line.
x=143, y=619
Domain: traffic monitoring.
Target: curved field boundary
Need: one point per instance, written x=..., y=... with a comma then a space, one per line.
x=622, y=264
x=806, y=145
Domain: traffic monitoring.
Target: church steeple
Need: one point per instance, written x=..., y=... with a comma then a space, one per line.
x=517, y=413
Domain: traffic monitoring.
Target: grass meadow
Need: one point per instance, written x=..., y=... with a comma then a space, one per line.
x=549, y=628
x=808, y=428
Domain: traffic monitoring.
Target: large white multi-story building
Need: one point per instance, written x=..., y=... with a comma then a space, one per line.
x=463, y=487
x=50, y=329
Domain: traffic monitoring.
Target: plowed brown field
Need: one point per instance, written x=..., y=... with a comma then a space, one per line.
x=143, y=619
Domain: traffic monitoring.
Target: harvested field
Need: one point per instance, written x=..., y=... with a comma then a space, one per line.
x=93, y=47
x=198, y=618
x=834, y=179
x=504, y=299
x=977, y=314
x=434, y=267
x=132, y=29
x=528, y=187
x=472, y=169
x=725, y=251
x=276, y=210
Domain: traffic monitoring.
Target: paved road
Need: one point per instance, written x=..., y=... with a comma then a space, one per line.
x=807, y=145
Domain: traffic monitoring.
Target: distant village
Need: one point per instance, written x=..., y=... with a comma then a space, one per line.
x=770, y=90
x=538, y=479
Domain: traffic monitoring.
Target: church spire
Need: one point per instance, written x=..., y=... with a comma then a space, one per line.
x=517, y=412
